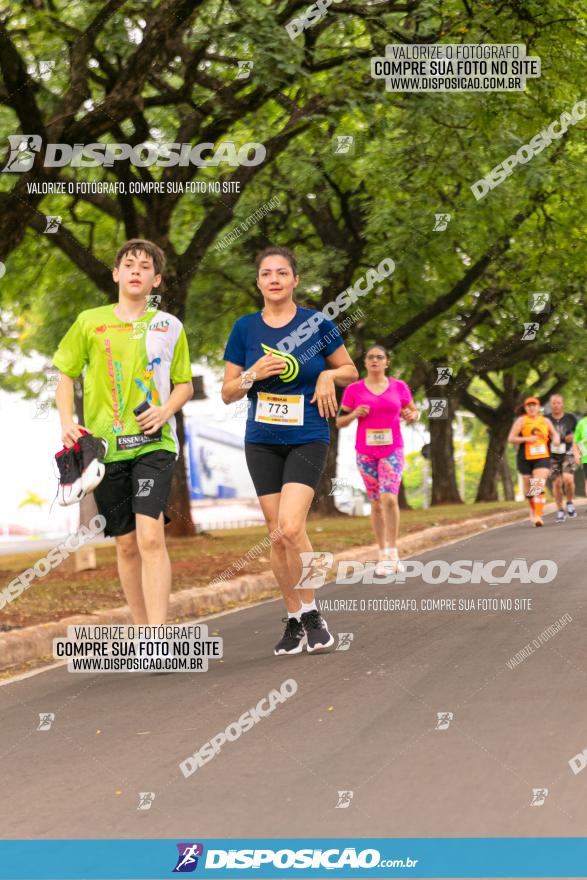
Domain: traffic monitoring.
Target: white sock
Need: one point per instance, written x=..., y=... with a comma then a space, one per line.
x=310, y=606
x=295, y=614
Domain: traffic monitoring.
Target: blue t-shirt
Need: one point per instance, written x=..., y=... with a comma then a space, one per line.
x=304, y=342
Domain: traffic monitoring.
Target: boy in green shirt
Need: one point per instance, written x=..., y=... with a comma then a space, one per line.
x=131, y=353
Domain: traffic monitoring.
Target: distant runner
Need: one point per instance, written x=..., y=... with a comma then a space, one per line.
x=531, y=433
x=377, y=402
x=563, y=465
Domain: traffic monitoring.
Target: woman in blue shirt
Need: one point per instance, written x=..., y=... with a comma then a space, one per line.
x=287, y=360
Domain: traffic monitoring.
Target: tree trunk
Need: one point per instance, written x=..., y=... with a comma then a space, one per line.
x=402, y=499
x=498, y=433
x=487, y=488
x=178, y=506
x=444, y=480
x=323, y=503
x=509, y=493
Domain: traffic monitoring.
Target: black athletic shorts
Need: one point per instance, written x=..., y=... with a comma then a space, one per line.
x=271, y=465
x=560, y=466
x=526, y=467
x=135, y=485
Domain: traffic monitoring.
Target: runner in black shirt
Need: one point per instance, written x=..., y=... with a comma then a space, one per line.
x=562, y=461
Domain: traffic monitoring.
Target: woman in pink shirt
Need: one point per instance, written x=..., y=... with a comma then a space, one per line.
x=377, y=402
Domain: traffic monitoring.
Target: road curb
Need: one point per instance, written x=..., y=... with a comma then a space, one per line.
x=35, y=642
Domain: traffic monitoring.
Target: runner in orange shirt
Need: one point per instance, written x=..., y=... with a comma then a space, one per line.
x=532, y=433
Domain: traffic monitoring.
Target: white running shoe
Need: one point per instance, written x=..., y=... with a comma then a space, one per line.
x=389, y=562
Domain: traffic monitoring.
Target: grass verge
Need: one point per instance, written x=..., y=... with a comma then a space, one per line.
x=196, y=561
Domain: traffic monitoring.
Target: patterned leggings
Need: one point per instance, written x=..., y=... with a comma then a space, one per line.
x=381, y=474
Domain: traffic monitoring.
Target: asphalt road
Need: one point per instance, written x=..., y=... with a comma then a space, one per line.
x=362, y=720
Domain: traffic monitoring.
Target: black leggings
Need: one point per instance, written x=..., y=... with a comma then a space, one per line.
x=272, y=465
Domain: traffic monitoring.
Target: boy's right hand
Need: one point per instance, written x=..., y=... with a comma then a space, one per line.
x=70, y=434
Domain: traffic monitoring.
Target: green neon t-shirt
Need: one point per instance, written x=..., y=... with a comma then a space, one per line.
x=125, y=364
x=580, y=438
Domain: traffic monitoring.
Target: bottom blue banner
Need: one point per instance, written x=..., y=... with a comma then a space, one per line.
x=296, y=857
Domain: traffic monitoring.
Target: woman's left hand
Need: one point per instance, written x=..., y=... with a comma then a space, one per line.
x=325, y=395
x=409, y=415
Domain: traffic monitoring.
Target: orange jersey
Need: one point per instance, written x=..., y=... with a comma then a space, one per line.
x=537, y=429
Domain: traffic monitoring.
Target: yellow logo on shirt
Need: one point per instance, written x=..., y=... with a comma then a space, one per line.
x=293, y=367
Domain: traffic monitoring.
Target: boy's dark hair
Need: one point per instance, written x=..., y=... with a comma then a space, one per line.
x=274, y=251
x=135, y=246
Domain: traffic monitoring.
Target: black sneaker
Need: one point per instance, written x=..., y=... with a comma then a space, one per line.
x=293, y=638
x=319, y=639
x=70, y=489
x=91, y=452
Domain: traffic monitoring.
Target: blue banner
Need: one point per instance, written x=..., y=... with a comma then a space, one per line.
x=297, y=857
